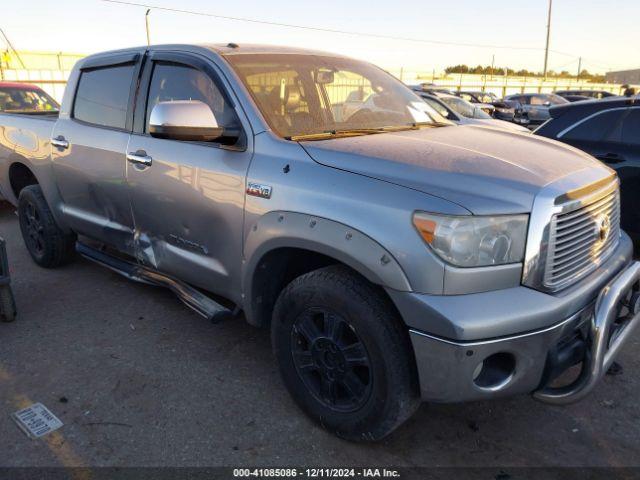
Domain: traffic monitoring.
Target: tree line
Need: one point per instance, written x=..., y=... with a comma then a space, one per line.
x=488, y=70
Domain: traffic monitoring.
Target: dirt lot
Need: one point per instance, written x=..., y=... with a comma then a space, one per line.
x=140, y=380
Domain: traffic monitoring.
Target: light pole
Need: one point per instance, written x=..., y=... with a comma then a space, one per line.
x=546, y=49
x=146, y=22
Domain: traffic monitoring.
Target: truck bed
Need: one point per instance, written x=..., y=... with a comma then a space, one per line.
x=24, y=137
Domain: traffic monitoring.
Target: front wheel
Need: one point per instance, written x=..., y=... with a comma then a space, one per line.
x=344, y=354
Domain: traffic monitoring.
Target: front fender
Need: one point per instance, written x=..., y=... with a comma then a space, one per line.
x=281, y=229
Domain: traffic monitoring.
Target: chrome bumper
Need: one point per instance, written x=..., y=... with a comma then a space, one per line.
x=621, y=292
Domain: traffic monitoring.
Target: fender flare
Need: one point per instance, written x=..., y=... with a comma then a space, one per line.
x=282, y=229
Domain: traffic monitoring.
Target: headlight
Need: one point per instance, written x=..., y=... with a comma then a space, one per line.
x=473, y=241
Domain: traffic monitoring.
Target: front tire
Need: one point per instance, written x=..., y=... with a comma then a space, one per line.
x=48, y=246
x=344, y=354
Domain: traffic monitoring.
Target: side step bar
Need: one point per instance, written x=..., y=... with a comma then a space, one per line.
x=200, y=303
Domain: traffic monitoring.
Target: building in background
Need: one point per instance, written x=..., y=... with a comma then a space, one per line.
x=631, y=77
x=47, y=70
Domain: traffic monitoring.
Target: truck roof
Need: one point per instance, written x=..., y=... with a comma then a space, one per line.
x=253, y=48
x=223, y=49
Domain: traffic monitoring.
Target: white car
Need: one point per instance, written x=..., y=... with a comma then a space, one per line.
x=462, y=112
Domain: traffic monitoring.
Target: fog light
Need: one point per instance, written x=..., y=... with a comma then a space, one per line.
x=495, y=372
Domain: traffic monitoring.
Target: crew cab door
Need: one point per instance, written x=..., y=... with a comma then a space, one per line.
x=187, y=197
x=88, y=150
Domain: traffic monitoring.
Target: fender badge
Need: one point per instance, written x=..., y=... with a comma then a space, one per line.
x=259, y=190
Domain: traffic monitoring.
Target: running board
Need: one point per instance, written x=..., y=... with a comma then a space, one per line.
x=200, y=303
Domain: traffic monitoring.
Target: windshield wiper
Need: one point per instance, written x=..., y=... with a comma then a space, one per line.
x=352, y=132
x=334, y=134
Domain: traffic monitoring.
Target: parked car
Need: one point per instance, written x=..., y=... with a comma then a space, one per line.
x=476, y=116
x=598, y=94
x=25, y=98
x=462, y=107
x=481, y=99
x=430, y=88
x=394, y=257
x=504, y=110
x=519, y=115
x=478, y=97
x=576, y=98
x=608, y=129
x=536, y=105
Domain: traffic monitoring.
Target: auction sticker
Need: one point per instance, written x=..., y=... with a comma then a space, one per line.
x=36, y=420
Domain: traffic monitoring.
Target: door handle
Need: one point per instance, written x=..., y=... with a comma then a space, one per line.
x=140, y=158
x=60, y=142
x=611, y=158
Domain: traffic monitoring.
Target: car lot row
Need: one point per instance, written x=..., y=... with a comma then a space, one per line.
x=528, y=109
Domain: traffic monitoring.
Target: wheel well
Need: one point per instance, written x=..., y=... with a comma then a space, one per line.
x=276, y=270
x=20, y=176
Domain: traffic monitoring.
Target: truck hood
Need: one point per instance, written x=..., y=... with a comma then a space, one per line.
x=486, y=171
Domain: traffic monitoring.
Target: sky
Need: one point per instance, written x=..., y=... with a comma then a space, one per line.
x=605, y=33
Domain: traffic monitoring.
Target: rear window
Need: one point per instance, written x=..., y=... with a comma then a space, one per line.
x=601, y=127
x=102, y=97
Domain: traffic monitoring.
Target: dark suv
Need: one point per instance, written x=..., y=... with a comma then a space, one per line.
x=609, y=130
x=597, y=94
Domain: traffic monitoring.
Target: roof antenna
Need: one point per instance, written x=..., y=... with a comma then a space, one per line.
x=233, y=45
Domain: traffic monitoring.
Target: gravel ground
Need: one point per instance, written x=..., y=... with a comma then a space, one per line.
x=140, y=380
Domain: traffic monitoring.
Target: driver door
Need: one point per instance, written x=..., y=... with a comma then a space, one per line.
x=187, y=197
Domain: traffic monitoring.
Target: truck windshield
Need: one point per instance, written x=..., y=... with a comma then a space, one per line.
x=319, y=96
x=25, y=100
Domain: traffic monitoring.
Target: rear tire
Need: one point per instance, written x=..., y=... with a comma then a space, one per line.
x=49, y=246
x=344, y=354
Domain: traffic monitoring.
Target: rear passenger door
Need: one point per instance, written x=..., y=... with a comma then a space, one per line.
x=88, y=150
x=188, y=199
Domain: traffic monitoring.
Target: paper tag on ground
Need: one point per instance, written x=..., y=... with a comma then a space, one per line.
x=36, y=420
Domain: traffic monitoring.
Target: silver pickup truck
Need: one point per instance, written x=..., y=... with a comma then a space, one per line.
x=394, y=256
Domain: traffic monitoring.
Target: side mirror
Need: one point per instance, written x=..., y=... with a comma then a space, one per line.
x=184, y=120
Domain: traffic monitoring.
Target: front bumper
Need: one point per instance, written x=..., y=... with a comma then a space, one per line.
x=455, y=371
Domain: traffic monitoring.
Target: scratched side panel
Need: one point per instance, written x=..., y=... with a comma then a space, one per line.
x=188, y=211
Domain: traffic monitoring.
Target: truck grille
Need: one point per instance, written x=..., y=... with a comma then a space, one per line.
x=581, y=239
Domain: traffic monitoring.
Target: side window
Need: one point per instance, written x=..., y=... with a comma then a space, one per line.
x=538, y=100
x=631, y=128
x=171, y=81
x=102, y=96
x=602, y=127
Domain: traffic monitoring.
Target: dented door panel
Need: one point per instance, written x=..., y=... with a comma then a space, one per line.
x=188, y=211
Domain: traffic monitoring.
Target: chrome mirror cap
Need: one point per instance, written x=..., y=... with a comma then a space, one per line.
x=184, y=120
